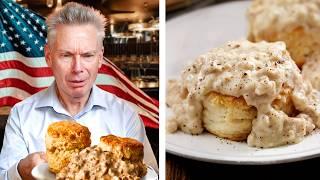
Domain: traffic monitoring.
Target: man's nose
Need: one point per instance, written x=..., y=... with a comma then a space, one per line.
x=76, y=64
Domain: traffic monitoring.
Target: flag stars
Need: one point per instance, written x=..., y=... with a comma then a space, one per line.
x=30, y=35
x=22, y=42
x=41, y=48
x=28, y=49
x=24, y=29
x=36, y=41
x=35, y=28
x=5, y=22
x=31, y=15
x=29, y=22
x=17, y=10
x=17, y=36
x=12, y=16
x=18, y=22
x=11, y=28
x=4, y=32
x=10, y=4
x=37, y=21
x=41, y=34
x=15, y=45
x=10, y=38
x=43, y=27
x=23, y=16
x=5, y=10
x=2, y=44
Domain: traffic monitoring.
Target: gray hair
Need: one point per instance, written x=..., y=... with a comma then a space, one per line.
x=76, y=14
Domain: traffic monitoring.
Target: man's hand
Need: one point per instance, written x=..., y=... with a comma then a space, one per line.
x=26, y=165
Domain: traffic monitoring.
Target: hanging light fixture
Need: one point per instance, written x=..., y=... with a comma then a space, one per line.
x=139, y=27
x=125, y=35
x=59, y=5
x=49, y=3
x=121, y=34
x=154, y=23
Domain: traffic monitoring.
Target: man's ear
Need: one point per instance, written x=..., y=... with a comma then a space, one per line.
x=47, y=55
x=101, y=57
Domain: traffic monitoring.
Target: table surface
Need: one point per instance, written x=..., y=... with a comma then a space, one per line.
x=183, y=168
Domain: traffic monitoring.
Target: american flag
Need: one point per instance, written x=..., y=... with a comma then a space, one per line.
x=23, y=69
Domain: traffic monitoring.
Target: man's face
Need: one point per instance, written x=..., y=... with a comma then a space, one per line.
x=74, y=57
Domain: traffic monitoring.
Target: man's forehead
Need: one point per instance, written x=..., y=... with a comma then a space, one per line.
x=76, y=31
x=76, y=45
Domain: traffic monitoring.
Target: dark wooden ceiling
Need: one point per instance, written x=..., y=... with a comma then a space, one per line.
x=117, y=10
x=126, y=10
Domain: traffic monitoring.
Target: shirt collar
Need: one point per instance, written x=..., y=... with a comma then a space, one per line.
x=49, y=99
x=96, y=98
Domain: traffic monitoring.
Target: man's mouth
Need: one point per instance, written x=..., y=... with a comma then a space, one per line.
x=77, y=83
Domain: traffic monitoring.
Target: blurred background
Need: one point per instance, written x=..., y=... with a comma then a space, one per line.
x=132, y=36
x=176, y=7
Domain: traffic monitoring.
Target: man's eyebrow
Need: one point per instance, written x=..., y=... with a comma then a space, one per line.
x=64, y=51
x=89, y=52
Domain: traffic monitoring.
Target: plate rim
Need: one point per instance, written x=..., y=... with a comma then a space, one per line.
x=37, y=167
x=257, y=160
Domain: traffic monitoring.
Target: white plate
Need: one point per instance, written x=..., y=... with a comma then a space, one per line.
x=41, y=172
x=193, y=34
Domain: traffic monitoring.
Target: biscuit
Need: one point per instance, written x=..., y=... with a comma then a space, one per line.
x=126, y=148
x=63, y=139
x=228, y=117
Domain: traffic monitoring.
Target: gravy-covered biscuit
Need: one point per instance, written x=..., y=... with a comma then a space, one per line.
x=296, y=22
x=113, y=158
x=241, y=83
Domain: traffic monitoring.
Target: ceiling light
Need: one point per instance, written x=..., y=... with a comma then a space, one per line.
x=125, y=35
x=143, y=27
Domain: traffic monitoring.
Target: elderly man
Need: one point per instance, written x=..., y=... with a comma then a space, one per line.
x=74, y=52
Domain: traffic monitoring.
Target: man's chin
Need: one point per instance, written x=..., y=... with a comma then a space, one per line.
x=78, y=92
